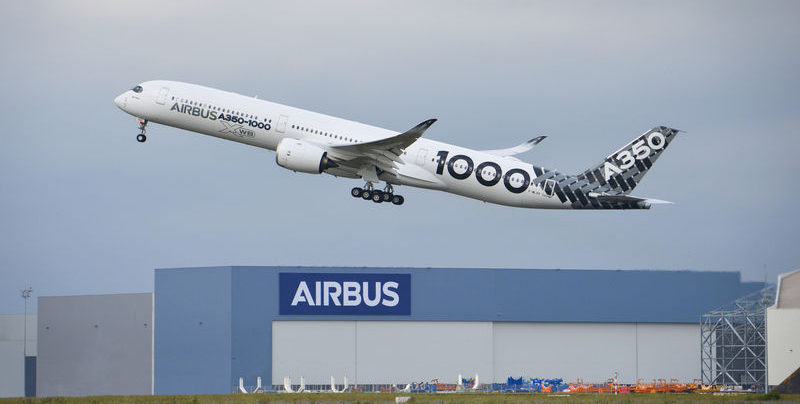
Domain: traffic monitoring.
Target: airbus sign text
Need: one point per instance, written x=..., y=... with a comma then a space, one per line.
x=352, y=293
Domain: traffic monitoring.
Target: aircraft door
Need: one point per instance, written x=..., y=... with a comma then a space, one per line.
x=281, y=127
x=421, y=155
x=162, y=95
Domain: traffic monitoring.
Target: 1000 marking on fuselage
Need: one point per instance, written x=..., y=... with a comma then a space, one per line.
x=487, y=173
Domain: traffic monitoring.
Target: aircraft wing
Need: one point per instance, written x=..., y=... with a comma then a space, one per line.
x=516, y=149
x=383, y=153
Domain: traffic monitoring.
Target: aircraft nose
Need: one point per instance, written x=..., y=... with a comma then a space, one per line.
x=121, y=100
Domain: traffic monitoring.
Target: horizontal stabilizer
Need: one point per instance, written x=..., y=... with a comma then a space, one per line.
x=522, y=148
x=625, y=198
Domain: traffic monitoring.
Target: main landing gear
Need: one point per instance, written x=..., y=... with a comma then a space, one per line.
x=141, y=137
x=368, y=193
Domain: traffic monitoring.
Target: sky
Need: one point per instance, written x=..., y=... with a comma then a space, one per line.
x=85, y=209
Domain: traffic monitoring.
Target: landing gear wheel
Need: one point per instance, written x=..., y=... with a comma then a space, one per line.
x=398, y=199
x=366, y=194
x=377, y=196
x=387, y=197
x=142, y=129
x=356, y=192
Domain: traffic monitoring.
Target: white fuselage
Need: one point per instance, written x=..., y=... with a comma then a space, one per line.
x=264, y=124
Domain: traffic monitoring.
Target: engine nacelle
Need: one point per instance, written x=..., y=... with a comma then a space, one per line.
x=298, y=155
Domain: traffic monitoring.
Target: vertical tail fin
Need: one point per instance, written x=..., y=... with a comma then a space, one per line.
x=622, y=170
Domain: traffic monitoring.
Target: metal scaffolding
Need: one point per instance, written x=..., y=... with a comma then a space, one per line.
x=733, y=342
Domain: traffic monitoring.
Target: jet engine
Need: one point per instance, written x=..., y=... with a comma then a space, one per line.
x=305, y=157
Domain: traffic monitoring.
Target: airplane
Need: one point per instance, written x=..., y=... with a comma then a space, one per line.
x=314, y=143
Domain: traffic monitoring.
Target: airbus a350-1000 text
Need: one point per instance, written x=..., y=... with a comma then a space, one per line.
x=314, y=143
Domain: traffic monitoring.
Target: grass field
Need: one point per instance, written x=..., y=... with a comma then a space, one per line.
x=416, y=398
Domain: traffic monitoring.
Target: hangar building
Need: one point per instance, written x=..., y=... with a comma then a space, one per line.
x=783, y=332
x=399, y=325
x=17, y=355
x=95, y=345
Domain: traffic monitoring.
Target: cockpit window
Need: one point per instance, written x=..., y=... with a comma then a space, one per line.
x=137, y=89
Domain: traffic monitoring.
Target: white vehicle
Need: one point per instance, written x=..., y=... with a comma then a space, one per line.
x=315, y=143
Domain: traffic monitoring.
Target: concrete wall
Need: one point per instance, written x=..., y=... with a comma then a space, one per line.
x=12, y=363
x=383, y=352
x=95, y=345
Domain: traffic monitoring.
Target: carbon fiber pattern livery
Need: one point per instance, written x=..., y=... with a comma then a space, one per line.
x=608, y=178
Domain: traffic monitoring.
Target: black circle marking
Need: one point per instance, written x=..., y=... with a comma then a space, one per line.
x=525, y=183
x=452, y=170
x=498, y=172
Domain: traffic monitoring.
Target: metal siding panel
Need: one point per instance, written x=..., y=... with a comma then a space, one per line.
x=12, y=362
x=95, y=345
x=253, y=293
x=315, y=350
x=789, y=290
x=474, y=294
x=193, y=331
x=395, y=352
x=591, y=351
x=668, y=349
x=783, y=355
x=30, y=376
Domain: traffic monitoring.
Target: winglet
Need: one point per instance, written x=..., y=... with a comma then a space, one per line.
x=536, y=140
x=421, y=128
x=517, y=149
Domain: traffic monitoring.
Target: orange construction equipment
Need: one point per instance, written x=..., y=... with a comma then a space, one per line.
x=578, y=387
x=443, y=386
x=657, y=386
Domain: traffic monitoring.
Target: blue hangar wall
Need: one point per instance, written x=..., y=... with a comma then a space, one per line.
x=213, y=325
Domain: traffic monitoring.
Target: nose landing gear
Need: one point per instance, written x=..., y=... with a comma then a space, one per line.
x=368, y=193
x=141, y=137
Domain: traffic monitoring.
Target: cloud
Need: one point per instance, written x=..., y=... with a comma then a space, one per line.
x=86, y=209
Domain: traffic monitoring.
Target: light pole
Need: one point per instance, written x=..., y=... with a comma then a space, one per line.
x=26, y=294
